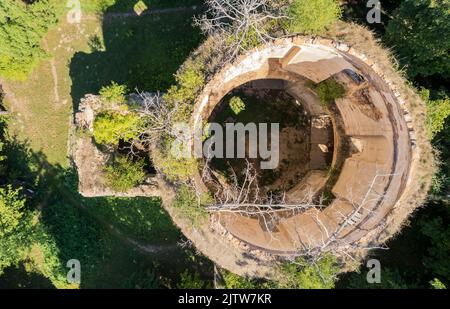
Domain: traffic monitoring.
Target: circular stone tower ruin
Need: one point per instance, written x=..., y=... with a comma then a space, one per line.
x=381, y=157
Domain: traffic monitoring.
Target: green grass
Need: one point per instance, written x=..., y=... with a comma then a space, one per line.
x=98, y=6
x=142, y=219
x=143, y=52
x=42, y=107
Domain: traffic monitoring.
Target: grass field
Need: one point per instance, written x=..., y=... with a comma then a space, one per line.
x=142, y=219
x=42, y=105
x=96, y=6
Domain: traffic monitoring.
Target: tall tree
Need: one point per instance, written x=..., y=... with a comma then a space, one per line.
x=419, y=34
x=15, y=227
x=22, y=27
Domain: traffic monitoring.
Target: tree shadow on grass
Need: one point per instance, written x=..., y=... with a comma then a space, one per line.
x=73, y=227
x=19, y=278
x=142, y=52
x=128, y=5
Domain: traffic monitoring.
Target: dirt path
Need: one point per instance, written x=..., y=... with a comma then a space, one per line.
x=54, y=73
x=116, y=15
x=143, y=247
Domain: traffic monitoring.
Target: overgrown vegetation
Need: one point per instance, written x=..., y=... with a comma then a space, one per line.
x=124, y=173
x=15, y=227
x=312, y=16
x=111, y=126
x=114, y=93
x=29, y=185
x=300, y=274
x=190, y=79
x=329, y=90
x=237, y=105
x=190, y=205
x=437, y=111
x=416, y=33
x=22, y=27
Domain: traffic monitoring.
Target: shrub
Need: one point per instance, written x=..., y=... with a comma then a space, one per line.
x=233, y=281
x=189, y=82
x=437, y=112
x=110, y=127
x=237, y=105
x=174, y=168
x=302, y=275
x=191, y=208
x=329, y=90
x=124, y=174
x=114, y=93
x=22, y=27
x=192, y=281
x=437, y=284
x=312, y=16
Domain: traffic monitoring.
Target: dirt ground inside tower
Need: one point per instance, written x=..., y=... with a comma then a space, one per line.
x=269, y=106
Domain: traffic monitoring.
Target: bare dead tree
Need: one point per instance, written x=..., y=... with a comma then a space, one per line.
x=243, y=197
x=331, y=240
x=238, y=20
x=156, y=120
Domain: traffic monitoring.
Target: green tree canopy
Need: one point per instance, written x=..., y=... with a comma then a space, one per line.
x=438, y=232
x=114, y=93
x=22, y=27
x=419, y=34
x=110, y=127
x=437, y=112
x=303, y=275
x=15, y=227
x=124, y=174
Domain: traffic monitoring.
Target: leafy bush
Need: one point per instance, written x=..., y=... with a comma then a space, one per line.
x=312, y=16
x=174, y=168
x=237, y=105
x=110, y=127
x=191, y=208
x=190, y=80
x=302, y=275
x=437, y=112
x=329, y=90
x=437, y=284
x=419, y=34
x=192, y=281
x=124, y=174
x=233, y=281
x=114, y=93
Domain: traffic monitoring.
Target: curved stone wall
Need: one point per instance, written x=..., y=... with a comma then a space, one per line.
x=373, y=178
